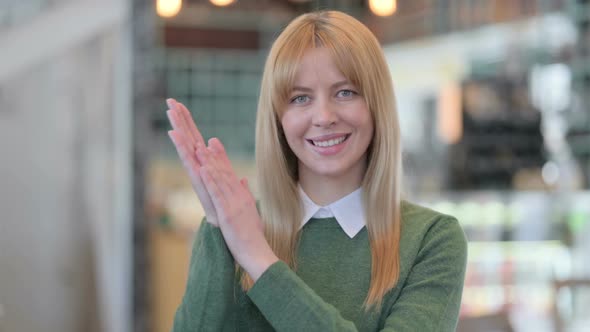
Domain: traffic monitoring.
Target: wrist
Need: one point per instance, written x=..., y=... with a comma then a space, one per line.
x=260, y=264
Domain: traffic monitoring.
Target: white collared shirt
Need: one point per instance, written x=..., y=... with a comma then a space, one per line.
x=348, y=211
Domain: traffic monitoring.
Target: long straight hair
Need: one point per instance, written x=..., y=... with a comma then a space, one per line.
x=359, y=57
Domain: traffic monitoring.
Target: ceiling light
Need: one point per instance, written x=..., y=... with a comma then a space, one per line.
x=383, y=7
x=168, y=8
x=222, y=3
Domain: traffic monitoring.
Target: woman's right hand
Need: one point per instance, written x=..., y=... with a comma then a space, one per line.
x=185, y=137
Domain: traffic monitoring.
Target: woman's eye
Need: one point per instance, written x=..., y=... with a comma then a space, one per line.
x=299, y=99
x=346, y=93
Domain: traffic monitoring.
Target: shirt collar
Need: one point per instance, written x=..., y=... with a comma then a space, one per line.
x=348, y=211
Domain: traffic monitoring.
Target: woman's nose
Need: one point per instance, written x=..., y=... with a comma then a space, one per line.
x=325, y=115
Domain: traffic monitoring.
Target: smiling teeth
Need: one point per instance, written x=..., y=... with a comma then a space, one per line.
x=329, y=142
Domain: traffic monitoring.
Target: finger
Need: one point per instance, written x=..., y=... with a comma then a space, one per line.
x=219, y=169
x=224, y=164
x=181, y=142
x=202, y=154
x=174, y=119
x=185, y=123
x=192, y=167
x=224, y=177
x=227, y=184
x=189, y=160
x=215, y=193
x=178, y=127
x=178, y=121
x=216, y=146
x=190, y=123
x=206, y=157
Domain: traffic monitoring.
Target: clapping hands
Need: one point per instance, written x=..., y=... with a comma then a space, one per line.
x=185, y=136
x=227, y=201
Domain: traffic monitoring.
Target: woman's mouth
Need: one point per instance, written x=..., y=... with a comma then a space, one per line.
x=331, y=146
x=329, y=142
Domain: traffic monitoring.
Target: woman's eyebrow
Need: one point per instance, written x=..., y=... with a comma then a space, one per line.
x=339, y=84
x=334, y=86
x=301, y=88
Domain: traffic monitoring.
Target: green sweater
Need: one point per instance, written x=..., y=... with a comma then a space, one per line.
x=331, y=282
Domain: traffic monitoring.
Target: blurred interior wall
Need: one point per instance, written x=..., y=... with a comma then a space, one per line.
x=454, y=54
x=64, y=172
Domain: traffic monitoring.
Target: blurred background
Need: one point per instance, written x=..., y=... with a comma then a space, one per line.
x=98, y=216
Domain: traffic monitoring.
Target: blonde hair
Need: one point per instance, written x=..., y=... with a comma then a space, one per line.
x=359, y=57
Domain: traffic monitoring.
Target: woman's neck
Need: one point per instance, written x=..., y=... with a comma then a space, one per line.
x=325, y=190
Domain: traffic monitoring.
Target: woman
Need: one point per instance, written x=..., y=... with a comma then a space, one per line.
x=331, y=246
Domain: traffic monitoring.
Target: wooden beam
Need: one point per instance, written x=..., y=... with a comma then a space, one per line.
x=210, y=38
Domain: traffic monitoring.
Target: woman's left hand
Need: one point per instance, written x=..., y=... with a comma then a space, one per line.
x=237, y=215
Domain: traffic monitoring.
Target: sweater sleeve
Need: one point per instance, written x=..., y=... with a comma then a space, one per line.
x=429, y=301
x=431, y=297
x=208, y=302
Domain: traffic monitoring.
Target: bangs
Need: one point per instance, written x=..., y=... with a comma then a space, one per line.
x=308, y=35
x=346, y=61
x=284, y=68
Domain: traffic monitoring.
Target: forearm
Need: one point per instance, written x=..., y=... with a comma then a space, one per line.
x=290, y=305
x=208, y=302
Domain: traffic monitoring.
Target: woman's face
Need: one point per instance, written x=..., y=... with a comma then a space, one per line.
x=326, y=122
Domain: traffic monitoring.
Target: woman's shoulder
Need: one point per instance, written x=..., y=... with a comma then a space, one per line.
x=419, y=220
x=429, y=233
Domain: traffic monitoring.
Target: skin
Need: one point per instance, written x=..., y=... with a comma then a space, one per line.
x=323, y=104
x=227, y=201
